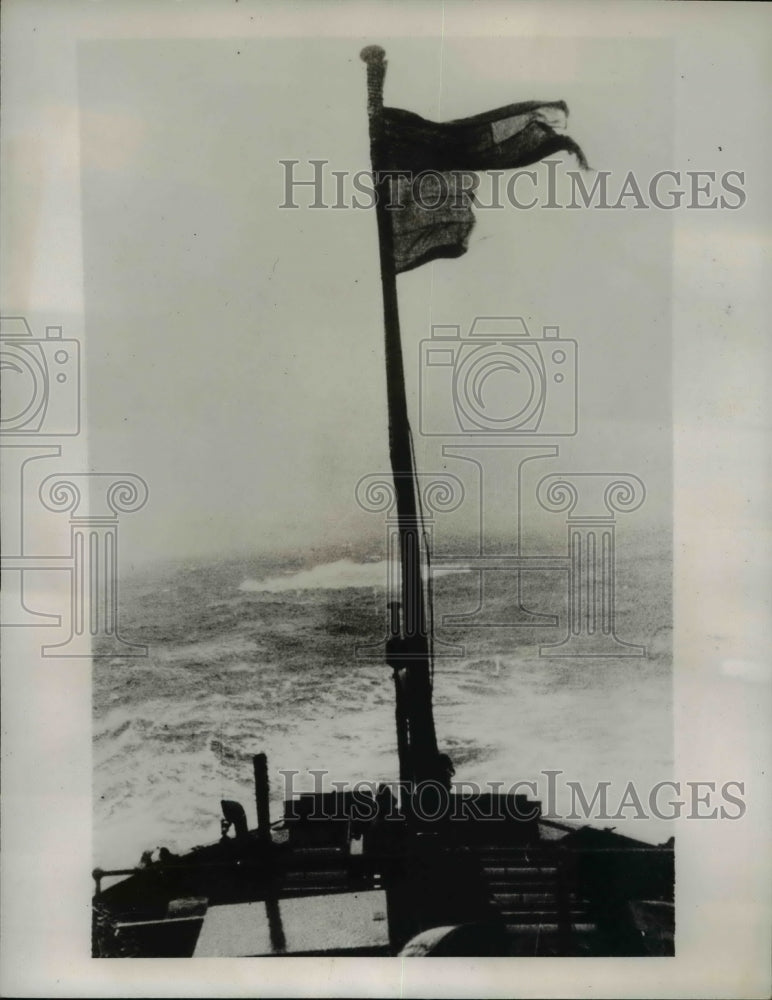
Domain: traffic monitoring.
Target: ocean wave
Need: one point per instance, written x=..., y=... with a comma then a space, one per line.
x=328, y=576
x=341, y=575
x=260, y=658
x=211, y=650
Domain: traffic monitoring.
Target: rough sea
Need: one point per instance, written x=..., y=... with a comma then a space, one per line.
x=259, y=655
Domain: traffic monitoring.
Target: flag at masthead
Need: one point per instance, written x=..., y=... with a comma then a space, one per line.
x=422, y=172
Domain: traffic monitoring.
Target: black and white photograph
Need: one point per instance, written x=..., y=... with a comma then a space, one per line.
x=385, y=481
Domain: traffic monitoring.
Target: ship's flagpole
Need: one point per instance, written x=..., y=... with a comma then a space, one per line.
x=408, y=651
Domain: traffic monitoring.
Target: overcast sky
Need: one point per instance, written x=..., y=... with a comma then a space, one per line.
x=234, y=348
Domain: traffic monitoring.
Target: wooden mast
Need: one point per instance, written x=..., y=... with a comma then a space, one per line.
x=408, y=651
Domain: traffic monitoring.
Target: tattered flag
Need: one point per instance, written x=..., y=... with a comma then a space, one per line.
x=430, y=201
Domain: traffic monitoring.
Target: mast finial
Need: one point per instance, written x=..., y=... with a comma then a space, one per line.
x=375, y=58
x=372, y=54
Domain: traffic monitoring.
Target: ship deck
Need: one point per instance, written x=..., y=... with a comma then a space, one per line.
x=348, y=886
